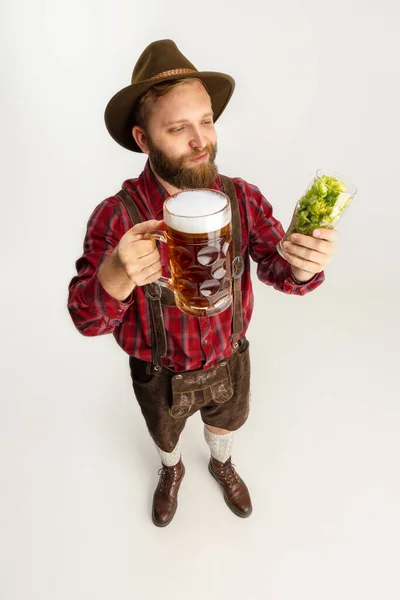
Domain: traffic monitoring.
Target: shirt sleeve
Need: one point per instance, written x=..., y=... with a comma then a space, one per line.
x=264, y=234
x=92, y=309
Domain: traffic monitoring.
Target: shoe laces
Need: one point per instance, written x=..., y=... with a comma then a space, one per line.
x=229, y=473
x=168, y=475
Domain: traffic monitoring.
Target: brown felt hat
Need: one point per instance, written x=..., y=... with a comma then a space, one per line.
x=160, y=61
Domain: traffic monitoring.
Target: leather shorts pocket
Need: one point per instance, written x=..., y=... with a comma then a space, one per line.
x=197, y=388
x=141, y=371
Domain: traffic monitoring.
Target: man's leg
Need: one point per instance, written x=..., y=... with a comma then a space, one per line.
x=165, y=499
x=221, y=420
x=153, y=393
x=220, y=442
x=236, y=494
x=170, y=459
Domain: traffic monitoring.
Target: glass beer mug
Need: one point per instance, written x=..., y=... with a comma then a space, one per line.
x=199, y=238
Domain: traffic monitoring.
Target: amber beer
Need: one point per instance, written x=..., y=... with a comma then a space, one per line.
x=199, y=238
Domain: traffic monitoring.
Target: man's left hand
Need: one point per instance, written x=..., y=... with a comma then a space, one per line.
x=308, y=254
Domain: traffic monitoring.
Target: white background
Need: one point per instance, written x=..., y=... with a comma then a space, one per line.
x=317, y=87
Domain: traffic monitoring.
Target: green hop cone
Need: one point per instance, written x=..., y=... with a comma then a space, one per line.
x=317, y=207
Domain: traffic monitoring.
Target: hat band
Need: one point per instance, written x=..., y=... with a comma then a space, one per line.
x=173, y=72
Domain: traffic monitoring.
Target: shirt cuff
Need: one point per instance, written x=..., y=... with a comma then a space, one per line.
x=292, y=286
x=102, y=303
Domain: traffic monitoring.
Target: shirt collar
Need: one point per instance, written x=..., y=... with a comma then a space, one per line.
x=155, y=192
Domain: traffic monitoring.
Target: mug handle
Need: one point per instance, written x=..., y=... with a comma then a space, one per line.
x=161, y=237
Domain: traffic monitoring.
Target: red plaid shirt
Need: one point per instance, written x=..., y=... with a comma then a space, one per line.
x=193, y=343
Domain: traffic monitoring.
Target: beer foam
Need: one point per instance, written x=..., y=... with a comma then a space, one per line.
x=197, y=211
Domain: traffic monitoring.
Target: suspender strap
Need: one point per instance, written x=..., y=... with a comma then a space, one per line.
x=153, y=292
x=238, y=263
x=130, y=206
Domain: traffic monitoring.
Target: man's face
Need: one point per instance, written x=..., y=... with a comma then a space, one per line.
x=181, y=137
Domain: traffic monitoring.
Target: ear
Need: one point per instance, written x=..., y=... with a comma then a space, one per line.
x=140, y=138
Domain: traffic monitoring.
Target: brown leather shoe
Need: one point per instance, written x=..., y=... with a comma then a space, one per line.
x=165, y=499
x=236, y=494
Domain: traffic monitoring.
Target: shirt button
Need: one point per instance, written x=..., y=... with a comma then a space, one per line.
x=206, y=341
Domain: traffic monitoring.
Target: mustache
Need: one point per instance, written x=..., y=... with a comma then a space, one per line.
x=207, y=150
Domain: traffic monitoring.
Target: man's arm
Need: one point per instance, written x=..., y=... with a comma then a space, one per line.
x=94, y=311
x=113, y=264
x=114, y=279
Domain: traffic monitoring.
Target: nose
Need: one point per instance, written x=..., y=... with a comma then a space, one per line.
x=198, y=141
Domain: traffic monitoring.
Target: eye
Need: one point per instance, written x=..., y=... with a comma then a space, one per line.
x=208, y=122
x=176, y=129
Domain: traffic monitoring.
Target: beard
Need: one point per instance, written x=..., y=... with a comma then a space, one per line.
x=175, y=172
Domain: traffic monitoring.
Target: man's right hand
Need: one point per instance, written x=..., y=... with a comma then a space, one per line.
x=138, y=256
x=134, y=261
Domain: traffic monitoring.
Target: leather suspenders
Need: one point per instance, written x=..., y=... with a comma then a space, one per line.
x=237, y=260
x=159, y=296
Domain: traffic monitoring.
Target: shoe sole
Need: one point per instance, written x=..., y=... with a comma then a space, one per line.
x=156, y=523
x=233, y=509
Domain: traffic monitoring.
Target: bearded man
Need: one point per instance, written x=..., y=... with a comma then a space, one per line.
x=168, y=113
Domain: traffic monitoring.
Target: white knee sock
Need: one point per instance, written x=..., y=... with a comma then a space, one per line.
x=170, y=459
x=220, y=445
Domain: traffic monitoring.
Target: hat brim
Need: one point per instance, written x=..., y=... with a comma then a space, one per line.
x=118, y=114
